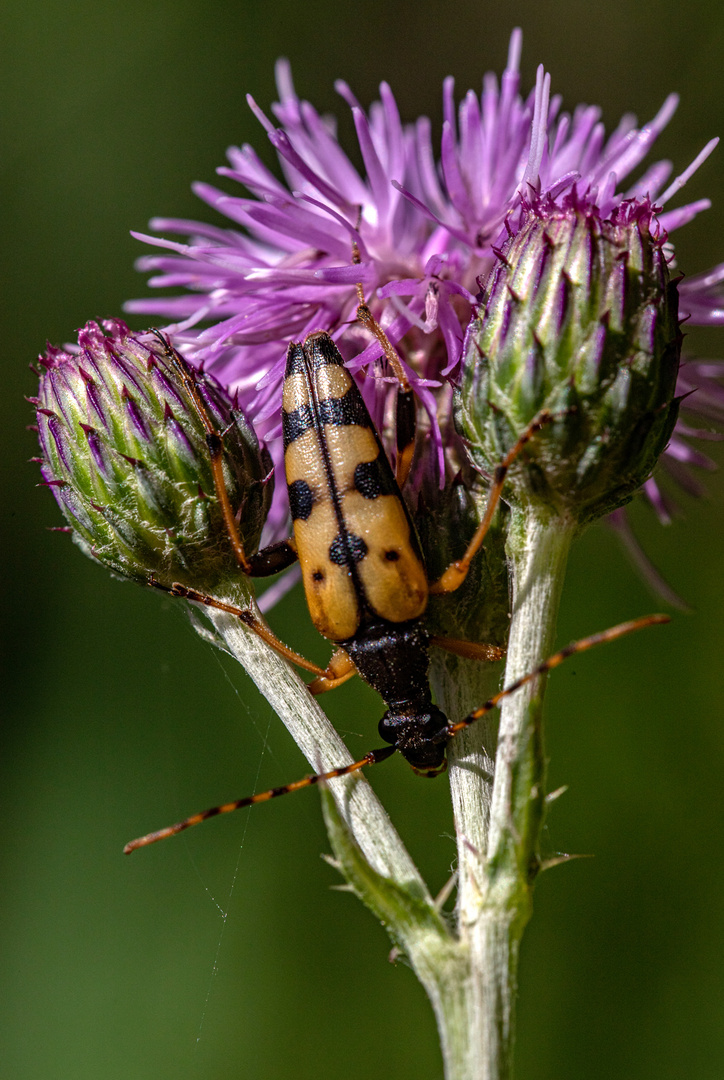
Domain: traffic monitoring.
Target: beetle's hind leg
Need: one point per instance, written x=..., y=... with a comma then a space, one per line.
x=215, y=446
x=269, y=560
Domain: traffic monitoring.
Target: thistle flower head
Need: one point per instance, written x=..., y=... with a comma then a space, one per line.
x=579, y=318
x=124, y=451
x=427, y=224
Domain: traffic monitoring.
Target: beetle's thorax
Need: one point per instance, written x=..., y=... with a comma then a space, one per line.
x=393, y=659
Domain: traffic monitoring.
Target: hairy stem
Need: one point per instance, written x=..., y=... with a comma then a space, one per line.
x=538, y=552
x=498, y=819
x=461, y=685
x=471, y=976
x=323, y=748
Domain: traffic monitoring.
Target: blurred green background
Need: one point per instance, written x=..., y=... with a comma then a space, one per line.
x=224, y=953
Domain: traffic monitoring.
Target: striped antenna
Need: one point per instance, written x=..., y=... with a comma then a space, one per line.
x=601, y=638
x=376, y=756
x=372, y=758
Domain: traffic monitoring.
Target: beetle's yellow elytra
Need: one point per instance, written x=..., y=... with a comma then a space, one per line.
x=357, y=547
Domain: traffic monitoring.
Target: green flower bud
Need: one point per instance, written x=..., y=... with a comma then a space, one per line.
x=579, y=317
x=125, y=453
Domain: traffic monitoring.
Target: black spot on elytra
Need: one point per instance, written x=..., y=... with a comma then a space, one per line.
x=295, y=359
x=295, y=423
x=320, y=350
x=301, y=500
x=335, y=411
x=374, y=478
x=346, y=549
x=347, y=409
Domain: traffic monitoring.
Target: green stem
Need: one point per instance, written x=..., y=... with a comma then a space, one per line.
x=538, y=552
x=461, y=685
x=498, y=823
x=324, y=749
x=470, y=977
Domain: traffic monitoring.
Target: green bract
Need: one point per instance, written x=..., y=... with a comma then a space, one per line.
x=125, y=453
x=579, y=317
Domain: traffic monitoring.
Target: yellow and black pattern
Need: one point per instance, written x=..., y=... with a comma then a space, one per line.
x=357, y=547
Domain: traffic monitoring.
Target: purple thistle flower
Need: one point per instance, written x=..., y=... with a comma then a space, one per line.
x=428, y=229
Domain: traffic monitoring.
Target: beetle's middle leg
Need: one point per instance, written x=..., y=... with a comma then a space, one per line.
x=326, y=678
x=582, y=645
x=469, y=650
x=339, y=669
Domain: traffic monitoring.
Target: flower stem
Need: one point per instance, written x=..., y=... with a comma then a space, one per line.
x=324, y=749
x=538, y=552
x=461, y=685
x=471, y=976
x=499, y=826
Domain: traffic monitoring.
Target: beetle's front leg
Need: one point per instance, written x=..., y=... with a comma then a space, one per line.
x=457, y=571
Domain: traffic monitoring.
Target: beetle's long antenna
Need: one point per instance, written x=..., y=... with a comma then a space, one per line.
x=373, y=758
x=553, y=661
x=376, y=756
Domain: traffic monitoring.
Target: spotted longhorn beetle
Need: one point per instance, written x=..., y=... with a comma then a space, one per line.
x=362, y=566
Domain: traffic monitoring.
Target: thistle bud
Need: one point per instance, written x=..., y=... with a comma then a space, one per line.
x=124, y=451
x=580, y=318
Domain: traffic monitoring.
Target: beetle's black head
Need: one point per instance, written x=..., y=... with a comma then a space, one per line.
x=420, y=736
